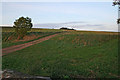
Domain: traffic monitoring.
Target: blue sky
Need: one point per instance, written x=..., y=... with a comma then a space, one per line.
x=57, y=0
x=95, y=16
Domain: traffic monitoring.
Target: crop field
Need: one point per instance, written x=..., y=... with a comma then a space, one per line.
x=73, y=54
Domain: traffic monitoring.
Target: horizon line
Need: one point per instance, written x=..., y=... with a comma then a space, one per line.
x=73, y=28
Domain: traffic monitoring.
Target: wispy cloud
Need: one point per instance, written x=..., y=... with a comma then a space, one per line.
x=58, y=25
x=74, y=22
x=47, y=25
x=79, y=26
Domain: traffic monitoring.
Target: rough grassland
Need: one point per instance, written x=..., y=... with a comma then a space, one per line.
x=9, y=36
x=75, y=54
x=11, y=29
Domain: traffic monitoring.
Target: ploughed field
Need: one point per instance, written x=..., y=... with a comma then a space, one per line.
x=74, y=54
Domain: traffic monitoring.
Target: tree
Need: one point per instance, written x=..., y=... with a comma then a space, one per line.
x=117, y=2
x=118, y=21
x=21, y=26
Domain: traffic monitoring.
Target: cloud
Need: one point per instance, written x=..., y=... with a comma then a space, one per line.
x=86, y=25
x=57, y=25
x=47, y=25
x=74, y=22
x=96, y=27
x=79, y=26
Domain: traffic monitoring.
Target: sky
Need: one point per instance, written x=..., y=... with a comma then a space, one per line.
x=56, y=0
x=93, y=16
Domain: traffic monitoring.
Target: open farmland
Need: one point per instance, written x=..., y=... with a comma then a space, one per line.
x=11, y=29
x=74, y=54
x=9, y=37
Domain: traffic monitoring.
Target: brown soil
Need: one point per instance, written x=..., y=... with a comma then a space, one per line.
x=22, y=46
x=27, y=38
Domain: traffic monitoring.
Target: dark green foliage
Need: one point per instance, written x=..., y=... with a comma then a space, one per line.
x=116, y=2
x=22, y=25
x=118, y=21
x=64, y=28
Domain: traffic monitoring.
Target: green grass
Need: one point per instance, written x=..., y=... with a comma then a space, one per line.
x=73, y=55
x=11, y=29
x=8, y=32
x=8, y=43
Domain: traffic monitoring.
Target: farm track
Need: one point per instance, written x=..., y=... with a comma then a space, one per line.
x=10, y=49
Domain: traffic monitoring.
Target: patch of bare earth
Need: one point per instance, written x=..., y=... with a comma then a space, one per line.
x=22, y=46
x=27, y=38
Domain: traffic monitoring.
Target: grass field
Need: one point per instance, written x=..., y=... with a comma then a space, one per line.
x=11, y=29
x=69, y=55
x=9, y=37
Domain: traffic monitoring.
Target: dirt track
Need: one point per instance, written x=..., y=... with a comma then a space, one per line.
x=22, y=46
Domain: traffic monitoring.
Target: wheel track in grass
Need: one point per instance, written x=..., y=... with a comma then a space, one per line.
x=14, y=48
